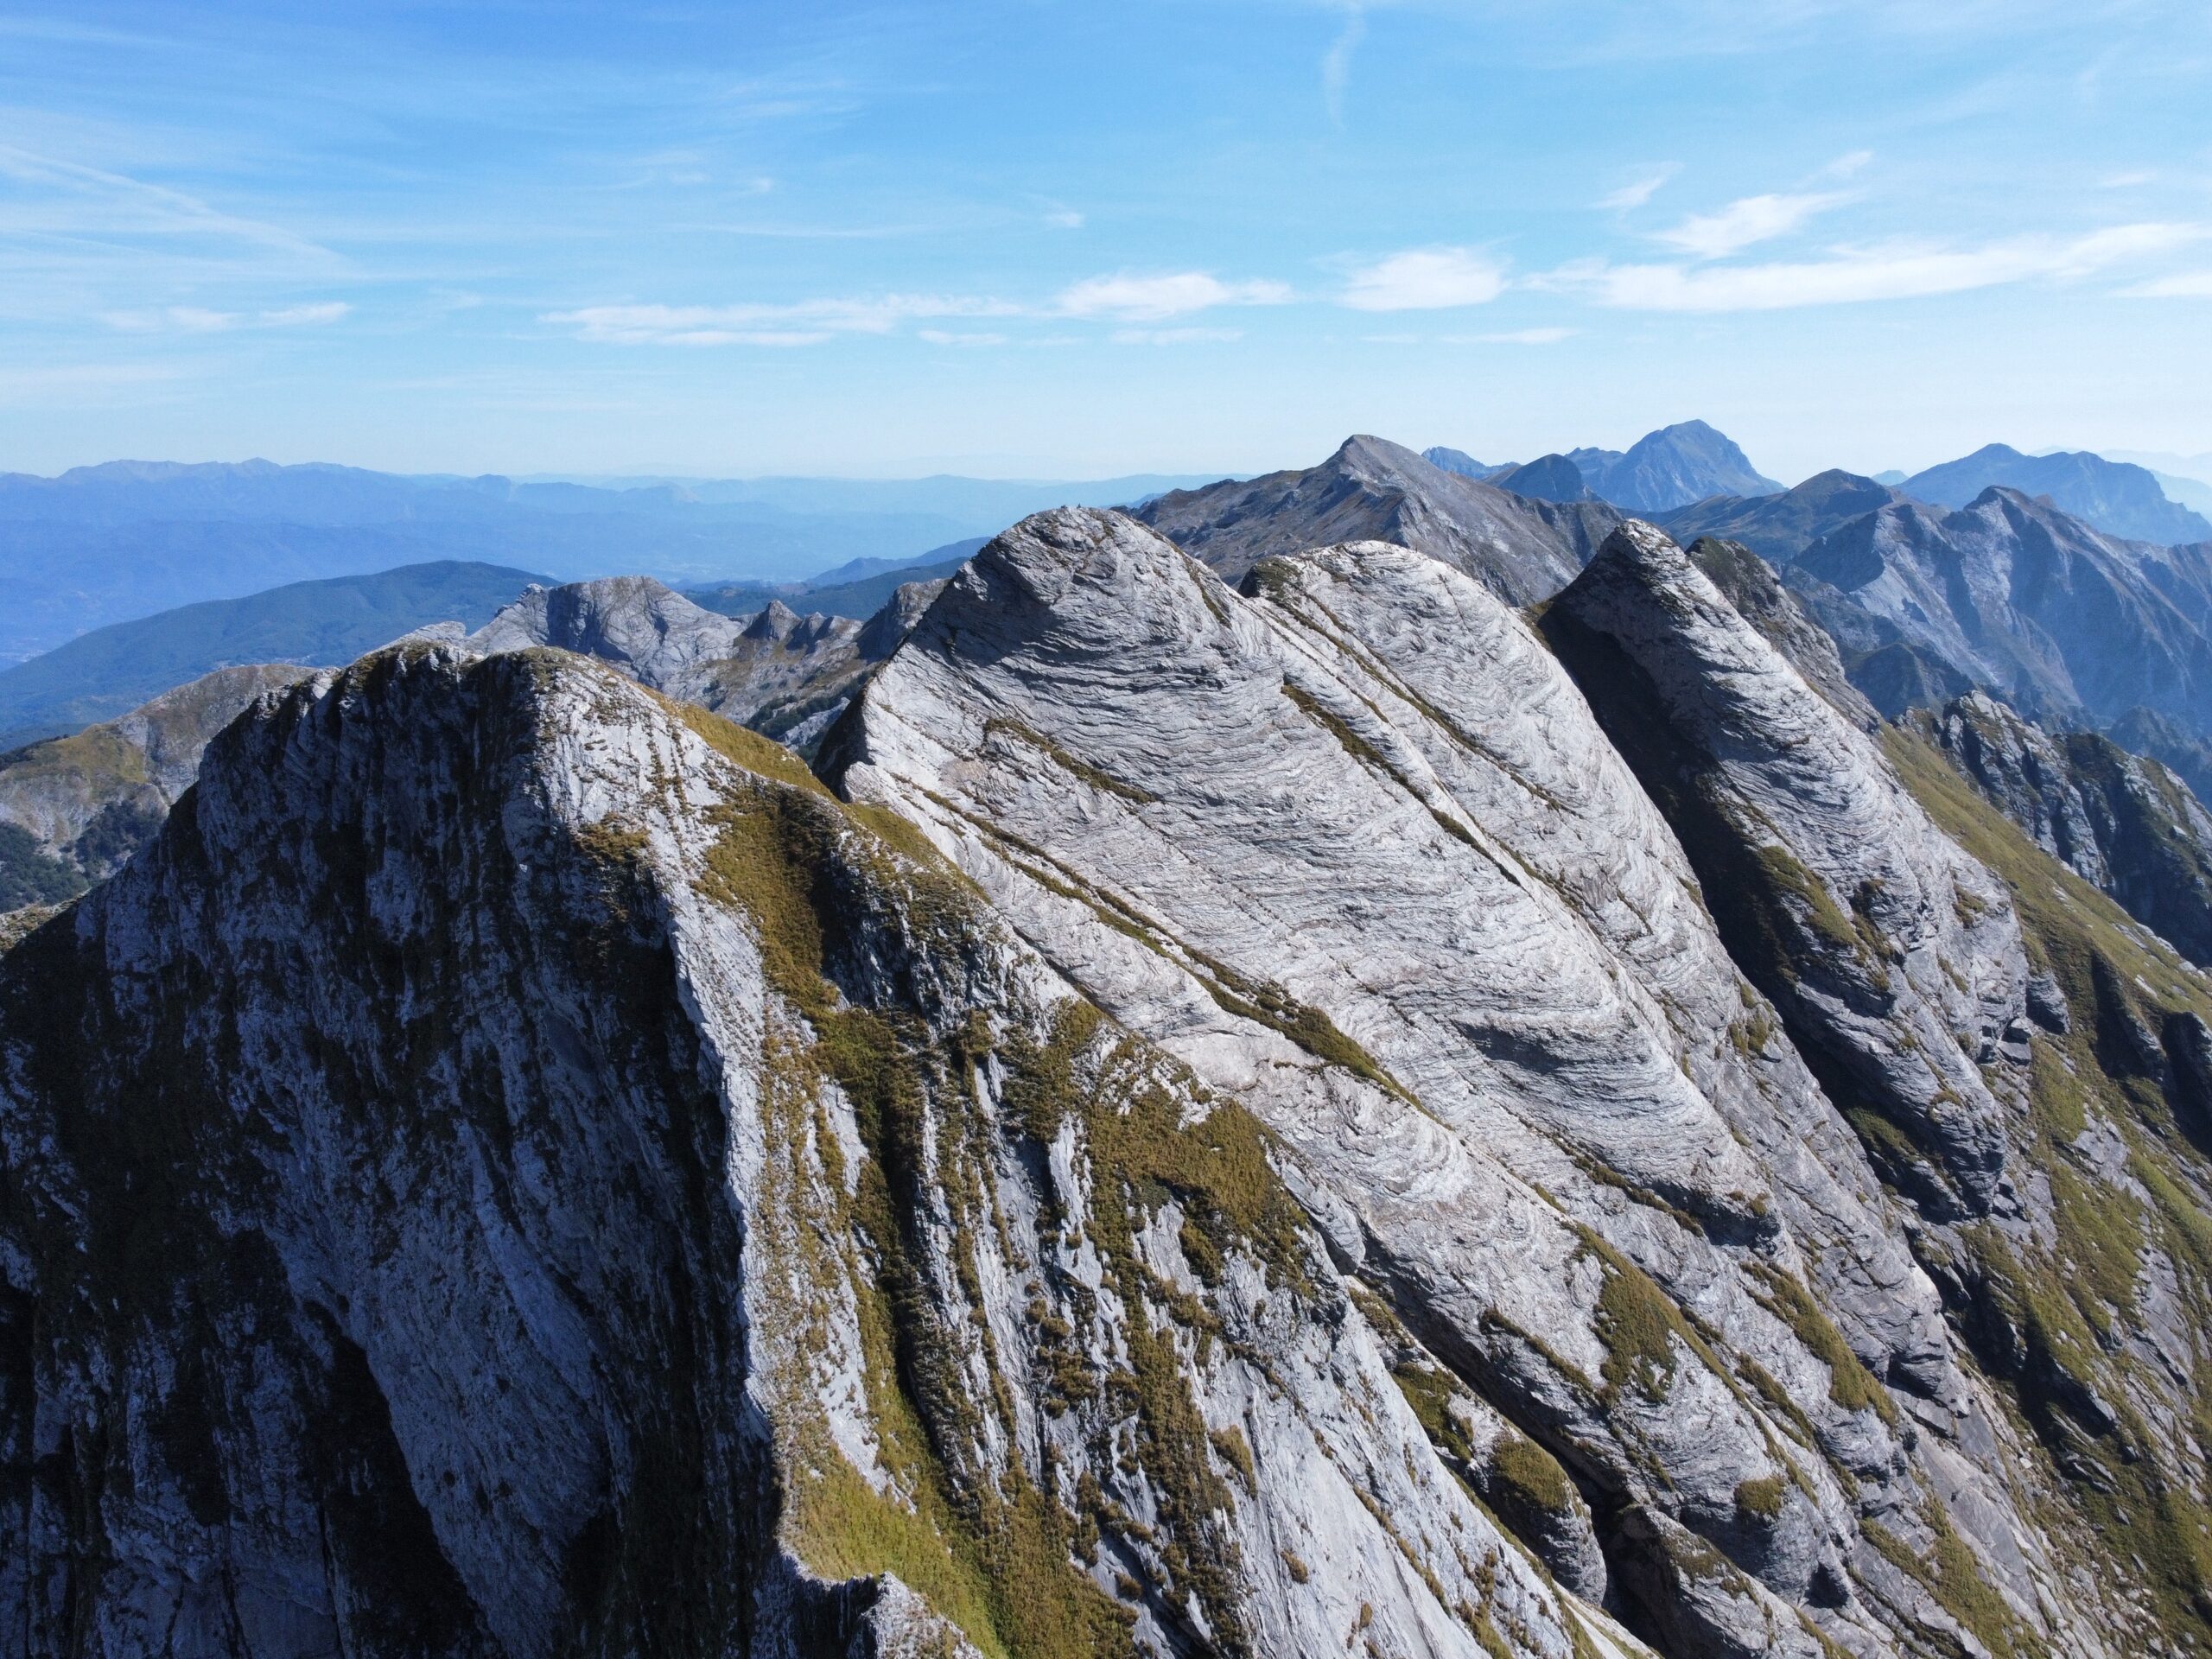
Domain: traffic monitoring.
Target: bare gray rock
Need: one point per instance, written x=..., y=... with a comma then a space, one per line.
x=785, y=675
x=2071, y=626
x=89, y=800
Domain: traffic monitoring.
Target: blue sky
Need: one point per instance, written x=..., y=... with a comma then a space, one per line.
x=1035, y=238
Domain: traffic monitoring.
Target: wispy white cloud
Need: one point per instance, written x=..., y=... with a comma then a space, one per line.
x=804, y=322
x=295, y=316
x=949, y=337
x=1512, y=337
x=1742, y=223
x=2183, y=285
x=1064, y=218
x=201, y=319
x=67, y=197
x=1336, y=62
x=1172, y=336
x=1130, y=298
x=1425, y=279
x=1848, y=165
x=1641, y=189
x=1852, y=276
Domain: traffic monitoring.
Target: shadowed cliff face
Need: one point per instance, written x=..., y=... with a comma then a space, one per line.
x=516, y=1168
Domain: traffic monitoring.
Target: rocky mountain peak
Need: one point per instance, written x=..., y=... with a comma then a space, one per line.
x=1373, y=490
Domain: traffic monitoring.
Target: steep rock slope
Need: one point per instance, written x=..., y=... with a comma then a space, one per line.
x=2116, y=497
x=777, y=671
x=1457, y=460
x=1756, y=590
x=1522, y=549
x=2084, y=1285
x=517, y=1169
x=1351, y=844
x=72, y=808
x=2158, y=737
x=2015, y=596
x=1780, y=527
x=1886, y=947
x=2120, y=822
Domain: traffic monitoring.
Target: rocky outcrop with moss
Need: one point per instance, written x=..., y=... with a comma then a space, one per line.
x=2080, y=1290
x=2123, y=823
x=517, y=1168
x=1322, y=1116
x=1350, y=843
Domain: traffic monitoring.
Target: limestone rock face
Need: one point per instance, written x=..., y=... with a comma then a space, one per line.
x=86, y=802
x=1892, y=954
x=785, y=675
x=1521, y=549
x=2121, y=821
x=515, y=1168
x=1351, y=844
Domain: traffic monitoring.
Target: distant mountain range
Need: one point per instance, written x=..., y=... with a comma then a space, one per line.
x=101, y=544
x=1670, y=467
x=102, y=674
x=1371, y=490
x=1779, y=527
x=2115, y=497
x=1691, y=464
x=859, y=589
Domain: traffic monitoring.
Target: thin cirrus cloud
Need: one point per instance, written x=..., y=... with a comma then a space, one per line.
x=1122, y=298
x=2183, y=285
x=1512, y=337
x=1172, y=336
x=1639, y=191
x=1743, y=224
x=1854, y=276
x=1425, y=279
x=1127, y=297
x=804, y=322
x=200, y=319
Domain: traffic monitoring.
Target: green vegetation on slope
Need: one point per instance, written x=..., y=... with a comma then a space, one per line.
x=2049, y=1326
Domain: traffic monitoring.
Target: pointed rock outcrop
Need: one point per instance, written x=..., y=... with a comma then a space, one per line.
x=1894, y=956
x=779, y=672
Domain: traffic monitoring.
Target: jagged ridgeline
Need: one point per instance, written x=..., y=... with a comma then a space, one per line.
x=1325, y=1115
